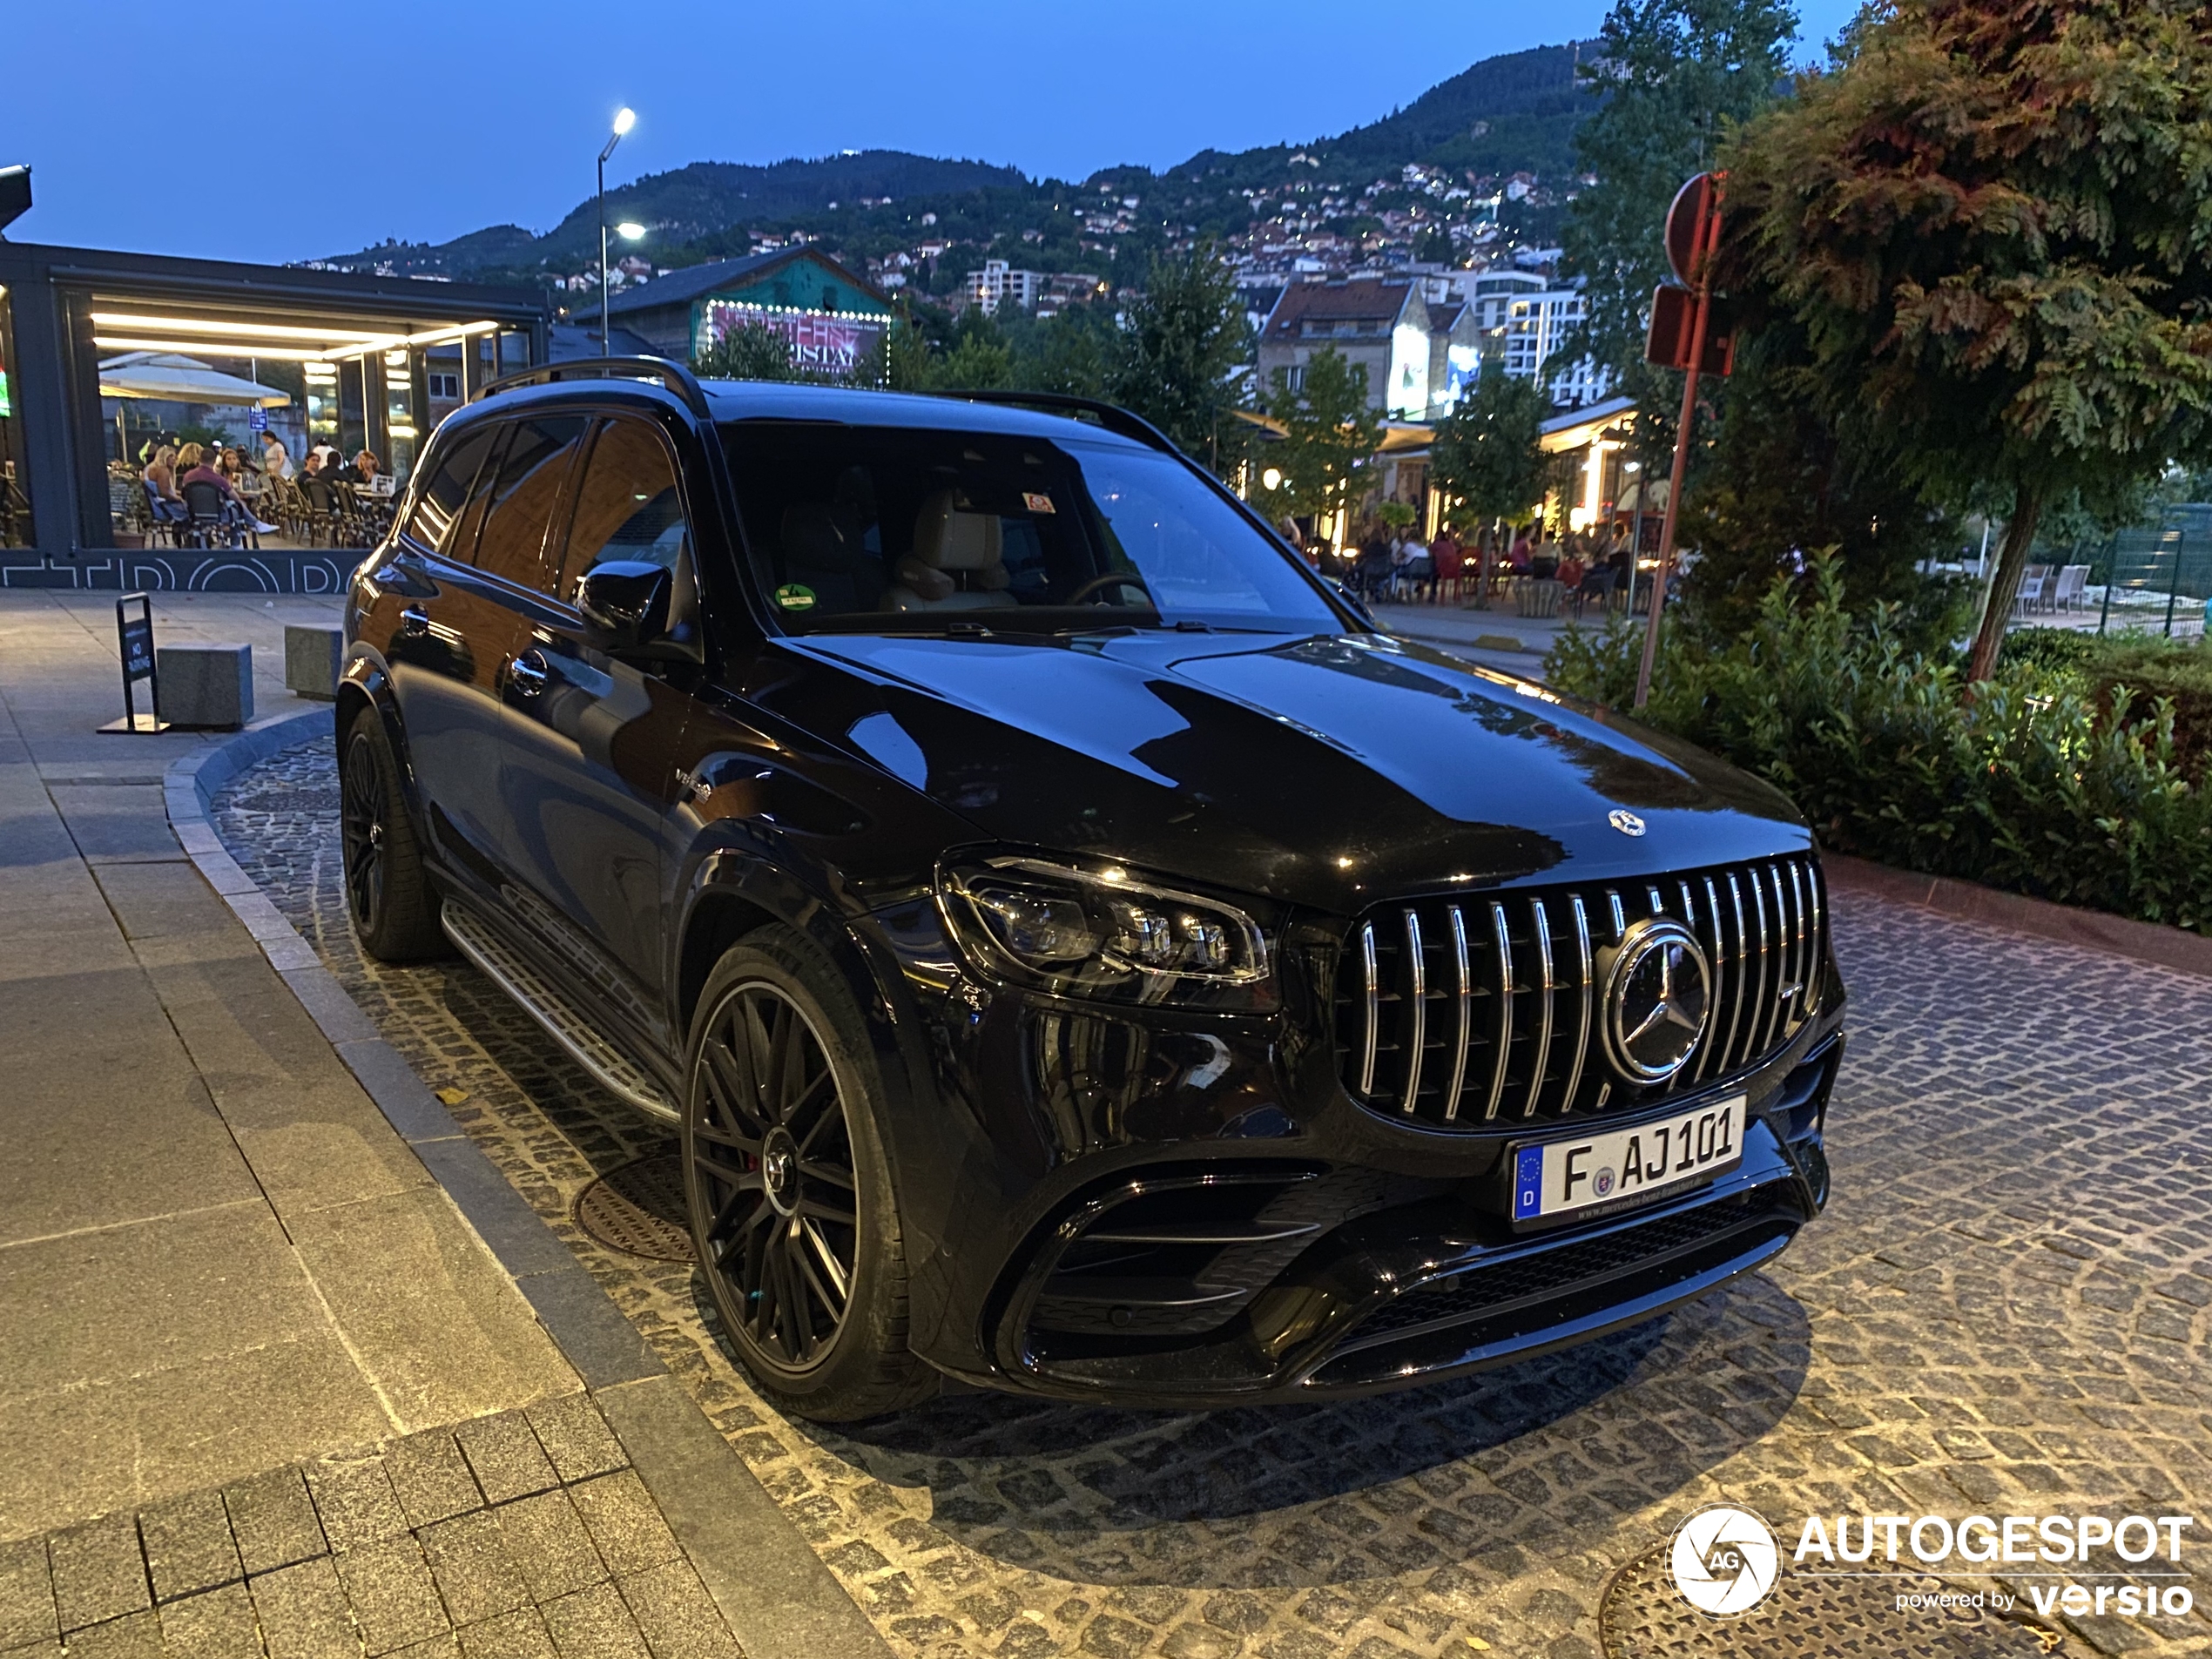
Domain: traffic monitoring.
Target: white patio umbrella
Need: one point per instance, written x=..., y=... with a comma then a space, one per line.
x=177, y=379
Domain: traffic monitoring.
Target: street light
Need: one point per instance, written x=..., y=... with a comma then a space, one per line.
x=625, y=118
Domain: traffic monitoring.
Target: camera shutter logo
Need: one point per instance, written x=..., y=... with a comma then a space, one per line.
x=1724, y=1561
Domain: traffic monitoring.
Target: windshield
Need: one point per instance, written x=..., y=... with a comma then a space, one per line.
x=874, y=528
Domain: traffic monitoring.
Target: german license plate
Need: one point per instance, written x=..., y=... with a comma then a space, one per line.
x=1591, y=1174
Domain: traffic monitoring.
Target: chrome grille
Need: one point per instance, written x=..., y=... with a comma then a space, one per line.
x=1484, y=1010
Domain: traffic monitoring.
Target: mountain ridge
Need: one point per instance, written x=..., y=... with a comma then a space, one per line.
x=1504, y=115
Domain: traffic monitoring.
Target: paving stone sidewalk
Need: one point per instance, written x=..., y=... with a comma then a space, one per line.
x=2007, y=1309
x=522, y=1535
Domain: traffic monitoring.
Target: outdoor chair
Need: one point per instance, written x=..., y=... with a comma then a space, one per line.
x=320, y=521
x=1596, y=585
x=164, y=518
x=2073, y=591
x=208, y=523
x=2031, y=588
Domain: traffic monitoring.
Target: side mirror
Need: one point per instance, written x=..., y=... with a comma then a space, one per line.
x=625, y=605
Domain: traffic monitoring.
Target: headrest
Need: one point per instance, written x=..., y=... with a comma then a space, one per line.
x=813, y=537
x=946, y=539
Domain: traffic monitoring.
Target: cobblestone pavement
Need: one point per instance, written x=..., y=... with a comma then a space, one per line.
x=518, y=1536
x=2004, y=1310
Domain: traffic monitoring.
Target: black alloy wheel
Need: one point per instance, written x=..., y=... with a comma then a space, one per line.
x=388, y=897
x=361, y=828
x=792, y=1210
x=773, y=1159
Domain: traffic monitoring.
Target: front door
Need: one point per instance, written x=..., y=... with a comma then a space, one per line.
x=592, y=741
x=420, y=624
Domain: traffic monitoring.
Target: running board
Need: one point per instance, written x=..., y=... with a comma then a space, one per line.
x=612, y=1069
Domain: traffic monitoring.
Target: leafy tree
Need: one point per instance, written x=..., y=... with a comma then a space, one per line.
x=752, y=351
x=1434, y=246
x=1991, y=221
x=909, y=360
x=1675, y=75
x=1179, y=341
x=1330, y=434
x=1780, y=478
x=1487, y=455
x=978, y=363
x=1072, y=353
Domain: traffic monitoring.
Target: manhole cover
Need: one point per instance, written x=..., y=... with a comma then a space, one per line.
x=1643, y=1616
x=639, y=1210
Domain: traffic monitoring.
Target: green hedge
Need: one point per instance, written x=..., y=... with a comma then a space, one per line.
x=2058, y=779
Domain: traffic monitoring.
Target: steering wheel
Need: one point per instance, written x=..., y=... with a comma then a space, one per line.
x=1099, y=584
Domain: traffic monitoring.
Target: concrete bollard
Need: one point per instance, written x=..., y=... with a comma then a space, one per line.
x=205, y=685
x=311, y=658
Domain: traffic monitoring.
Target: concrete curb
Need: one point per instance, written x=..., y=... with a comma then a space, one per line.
x=779, y=1599
x=2141, y=941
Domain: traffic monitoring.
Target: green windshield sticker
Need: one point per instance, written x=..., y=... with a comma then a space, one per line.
x=792, y=597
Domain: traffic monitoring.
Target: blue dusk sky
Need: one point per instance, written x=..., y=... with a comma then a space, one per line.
x=282, y=132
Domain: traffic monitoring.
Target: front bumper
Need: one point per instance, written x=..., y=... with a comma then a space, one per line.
x=1405, y=1293
x=1193, y=1214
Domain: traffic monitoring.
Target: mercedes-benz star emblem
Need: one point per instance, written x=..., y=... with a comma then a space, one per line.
x=1657, y=994
x=1624, y=820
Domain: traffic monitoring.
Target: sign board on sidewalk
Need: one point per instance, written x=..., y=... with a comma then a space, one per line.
x=257, y=420
x=134, y=635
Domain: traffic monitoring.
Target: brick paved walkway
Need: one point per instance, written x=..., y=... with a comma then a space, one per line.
x=2007, y=1305
x=520, y=1535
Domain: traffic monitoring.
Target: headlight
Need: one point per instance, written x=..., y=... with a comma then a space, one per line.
x=1105, y=934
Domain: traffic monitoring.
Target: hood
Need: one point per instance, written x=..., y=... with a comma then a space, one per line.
x=1330, y=772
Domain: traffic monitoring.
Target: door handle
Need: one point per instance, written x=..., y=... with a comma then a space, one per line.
x=415, y=621
x=528, y=673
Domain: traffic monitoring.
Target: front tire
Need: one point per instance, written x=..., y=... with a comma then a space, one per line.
x=388, y=896
x=792, y=1209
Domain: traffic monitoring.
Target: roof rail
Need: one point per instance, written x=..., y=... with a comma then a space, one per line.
x=679, y=379
x=1111, y=416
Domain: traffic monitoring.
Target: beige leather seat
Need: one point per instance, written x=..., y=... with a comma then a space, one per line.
x=955, y=565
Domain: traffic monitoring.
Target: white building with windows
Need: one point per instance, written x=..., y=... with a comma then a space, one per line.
x=998, y=284
x=1526, y=318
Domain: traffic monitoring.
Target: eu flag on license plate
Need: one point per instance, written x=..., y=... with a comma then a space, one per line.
x=1529, y=1182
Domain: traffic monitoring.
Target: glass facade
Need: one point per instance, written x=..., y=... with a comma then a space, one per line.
x=16, y=529
x=400, y=434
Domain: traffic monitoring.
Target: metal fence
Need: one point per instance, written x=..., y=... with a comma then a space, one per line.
x=2155, y=575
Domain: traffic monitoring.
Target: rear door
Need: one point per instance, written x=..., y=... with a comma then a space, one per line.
x=592, y=741
x=493, y=604
x=421, y=618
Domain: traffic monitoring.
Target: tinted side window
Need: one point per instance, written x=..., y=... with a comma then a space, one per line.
x=628, y=506
x=440, y=499
x=512, y=542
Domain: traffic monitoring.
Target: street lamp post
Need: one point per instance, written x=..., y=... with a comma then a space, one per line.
x=625, y=118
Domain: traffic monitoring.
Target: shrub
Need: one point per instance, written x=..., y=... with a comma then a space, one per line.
x=2035, y=784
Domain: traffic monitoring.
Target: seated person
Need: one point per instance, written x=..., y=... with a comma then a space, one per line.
x=201, y=470
x=955, y=565
x=160, y=480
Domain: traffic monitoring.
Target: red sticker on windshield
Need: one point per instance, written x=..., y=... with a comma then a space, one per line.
x=1036, y=503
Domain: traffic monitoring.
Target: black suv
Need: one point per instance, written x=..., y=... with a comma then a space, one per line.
x=1081, y=955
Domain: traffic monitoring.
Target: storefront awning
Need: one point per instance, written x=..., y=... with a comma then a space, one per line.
x=177, y=379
